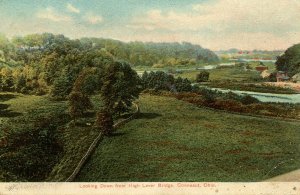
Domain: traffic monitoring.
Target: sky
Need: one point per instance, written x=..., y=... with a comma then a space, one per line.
x=213, y=24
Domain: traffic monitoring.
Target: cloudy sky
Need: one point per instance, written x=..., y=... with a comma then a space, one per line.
x=214, y=24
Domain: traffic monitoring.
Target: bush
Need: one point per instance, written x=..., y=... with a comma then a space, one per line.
x=247, y=99
x=231, y=105
x=209, y=95
x=272, y=77
x=203, y=76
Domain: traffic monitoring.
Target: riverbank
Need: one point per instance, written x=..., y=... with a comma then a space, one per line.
x=287, y=85
x=265, y=87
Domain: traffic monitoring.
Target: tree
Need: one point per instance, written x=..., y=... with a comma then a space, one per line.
x=183, y=85
x=78, y=104
x=7, y=80
x=104, y=122
x=62, y=86
x=290, y=60
x=1, y=82
x=145, y=79
x=88, y=81
x=21, y=83
x=120, y=87
x=203, y=76
x=5, y=47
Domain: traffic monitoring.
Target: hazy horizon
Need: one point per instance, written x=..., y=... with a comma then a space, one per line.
x=213, y=24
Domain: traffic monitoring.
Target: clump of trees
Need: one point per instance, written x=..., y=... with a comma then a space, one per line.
x=50, y=64
x=163, y=81
x=203, y=76
x=74, y=69
x=116, y=83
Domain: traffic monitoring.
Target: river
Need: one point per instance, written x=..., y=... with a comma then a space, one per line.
x=263, y=97
x=267, y=97
x=207, y=67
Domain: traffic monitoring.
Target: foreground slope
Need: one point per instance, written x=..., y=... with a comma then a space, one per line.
x=176, y=141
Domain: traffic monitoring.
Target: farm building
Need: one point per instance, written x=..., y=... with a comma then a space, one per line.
x=282, y=76
x=261, y=68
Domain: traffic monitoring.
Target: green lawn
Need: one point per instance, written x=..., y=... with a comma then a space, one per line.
x=176, y=141
x=229, y=73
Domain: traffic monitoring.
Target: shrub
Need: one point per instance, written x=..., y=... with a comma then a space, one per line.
x=272, y=77
x=247, y=99
x=231, y=105
x=203, y=76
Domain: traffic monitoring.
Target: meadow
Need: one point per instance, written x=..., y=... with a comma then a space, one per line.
x=21, y=113
x=219, y=74
x=176, y=141
x=171, y=140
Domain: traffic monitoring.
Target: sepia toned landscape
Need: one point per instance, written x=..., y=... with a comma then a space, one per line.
x=149, y=91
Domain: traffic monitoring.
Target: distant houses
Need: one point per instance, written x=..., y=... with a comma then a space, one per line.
x=261, y=68
x=282, y=76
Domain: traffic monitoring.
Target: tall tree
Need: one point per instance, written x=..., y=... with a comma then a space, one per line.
x=62, y=86
x=290, y=60
x=127, y=88
x=78, y=104
x=120, y=87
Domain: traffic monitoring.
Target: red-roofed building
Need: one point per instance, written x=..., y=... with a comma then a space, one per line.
x=261, y=68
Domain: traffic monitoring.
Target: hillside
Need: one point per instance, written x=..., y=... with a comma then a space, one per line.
x=176, y=141
x=170, y=141
x=45, y=63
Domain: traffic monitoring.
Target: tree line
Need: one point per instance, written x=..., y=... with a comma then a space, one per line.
x=47, y=63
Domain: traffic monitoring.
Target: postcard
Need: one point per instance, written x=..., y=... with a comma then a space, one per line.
x=152, y=97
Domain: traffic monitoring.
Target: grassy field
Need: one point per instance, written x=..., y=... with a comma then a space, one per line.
x=176, y=141
x=230, y=73
x=271, y=66
x=20, y=112
x=171, y=141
